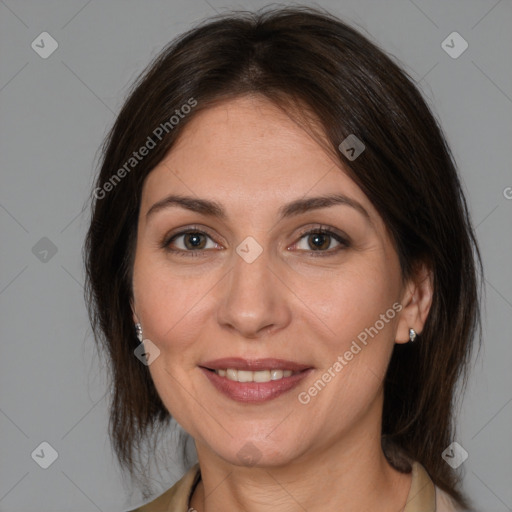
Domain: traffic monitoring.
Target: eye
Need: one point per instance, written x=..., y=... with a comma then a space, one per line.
x=321, y=240
x=189, y=243
x=193, y=242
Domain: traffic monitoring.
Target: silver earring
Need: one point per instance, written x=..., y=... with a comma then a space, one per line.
x=138, y=330
x=412, y=335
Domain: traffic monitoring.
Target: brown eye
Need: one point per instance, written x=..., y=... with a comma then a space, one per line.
x=319, y=241
x=189, y=243
x=322, y=241
x=194, y=241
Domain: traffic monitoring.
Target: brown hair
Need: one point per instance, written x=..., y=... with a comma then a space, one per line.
x=304, y=60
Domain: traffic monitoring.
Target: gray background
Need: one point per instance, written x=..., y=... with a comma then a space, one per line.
x=54, y=114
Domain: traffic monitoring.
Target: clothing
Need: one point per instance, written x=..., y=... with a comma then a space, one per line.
x=423, y=495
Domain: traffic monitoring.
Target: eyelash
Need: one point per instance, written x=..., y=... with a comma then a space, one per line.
x=323, y=230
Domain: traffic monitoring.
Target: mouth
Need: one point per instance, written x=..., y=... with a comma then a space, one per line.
x=254, y=380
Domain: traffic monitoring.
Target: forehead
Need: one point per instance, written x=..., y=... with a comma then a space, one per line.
x=248, y=153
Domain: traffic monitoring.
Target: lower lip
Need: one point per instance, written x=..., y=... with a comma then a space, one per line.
x=255, y=392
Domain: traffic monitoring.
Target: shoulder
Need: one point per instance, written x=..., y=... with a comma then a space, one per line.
x=176, y=498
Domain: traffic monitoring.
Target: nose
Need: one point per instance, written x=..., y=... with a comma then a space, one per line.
x=254, y=300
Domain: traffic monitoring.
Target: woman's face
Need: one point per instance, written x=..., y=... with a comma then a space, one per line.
x=249, y=282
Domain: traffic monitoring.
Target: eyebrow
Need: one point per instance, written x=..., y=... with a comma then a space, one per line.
x=296, y=207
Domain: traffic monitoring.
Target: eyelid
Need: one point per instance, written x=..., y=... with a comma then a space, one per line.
x=323, y=228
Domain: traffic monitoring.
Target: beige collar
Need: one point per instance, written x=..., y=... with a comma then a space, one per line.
x=422, y=495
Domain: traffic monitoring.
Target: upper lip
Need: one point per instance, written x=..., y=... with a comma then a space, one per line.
x=240, y=363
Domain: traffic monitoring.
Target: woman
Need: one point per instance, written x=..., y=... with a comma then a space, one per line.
x=281, y=258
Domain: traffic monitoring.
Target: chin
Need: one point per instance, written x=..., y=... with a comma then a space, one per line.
x=254, y=451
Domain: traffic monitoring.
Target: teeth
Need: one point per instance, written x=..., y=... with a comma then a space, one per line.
x=276, y=374
x=244, y=376
x=259, y=376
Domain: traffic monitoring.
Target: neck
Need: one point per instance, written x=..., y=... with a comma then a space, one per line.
x=349, y=474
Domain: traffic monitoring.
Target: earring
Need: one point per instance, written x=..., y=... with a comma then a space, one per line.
x=412, y=335
x=138, y=330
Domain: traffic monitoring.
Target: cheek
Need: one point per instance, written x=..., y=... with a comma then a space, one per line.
x=167, y=304
x=355, y=348
x=172, y=313
x=346, y=301
x=353, y=314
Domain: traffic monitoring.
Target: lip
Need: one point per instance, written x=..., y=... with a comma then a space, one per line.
x=240, y=363
x=254, y=392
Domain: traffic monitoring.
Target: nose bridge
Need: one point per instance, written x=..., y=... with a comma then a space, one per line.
x=253, y=299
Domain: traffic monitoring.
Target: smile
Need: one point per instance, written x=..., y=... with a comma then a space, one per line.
x=254, y=380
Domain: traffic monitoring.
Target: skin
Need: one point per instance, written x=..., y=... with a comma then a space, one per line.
x=289, y=303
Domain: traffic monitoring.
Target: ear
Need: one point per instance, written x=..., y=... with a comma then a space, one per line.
x=416, y=302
